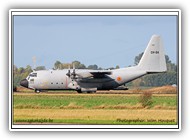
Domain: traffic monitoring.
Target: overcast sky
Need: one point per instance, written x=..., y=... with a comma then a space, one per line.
x=103, y=40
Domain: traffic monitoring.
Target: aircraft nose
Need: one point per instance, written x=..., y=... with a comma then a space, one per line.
x=24, y=83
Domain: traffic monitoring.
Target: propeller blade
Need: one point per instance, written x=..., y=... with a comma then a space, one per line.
x=73, y=73
x=74, y=69
x=69, y=72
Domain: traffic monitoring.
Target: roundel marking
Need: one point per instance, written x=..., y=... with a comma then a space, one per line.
x=118, y=78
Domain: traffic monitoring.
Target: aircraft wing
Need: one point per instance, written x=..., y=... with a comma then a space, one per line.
x=94, y=74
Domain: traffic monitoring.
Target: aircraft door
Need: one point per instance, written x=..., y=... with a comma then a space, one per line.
x=31, y=81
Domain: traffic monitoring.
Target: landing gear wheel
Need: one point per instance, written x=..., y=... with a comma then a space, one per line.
x=79, y=91
x=37, y=90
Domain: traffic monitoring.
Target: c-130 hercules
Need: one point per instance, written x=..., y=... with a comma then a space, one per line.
x=83, y=80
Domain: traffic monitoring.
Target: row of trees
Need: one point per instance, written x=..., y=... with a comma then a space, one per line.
x=78, y=65
x=168, y=78
x=21, y=73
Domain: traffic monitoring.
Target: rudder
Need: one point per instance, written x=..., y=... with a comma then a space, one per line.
x=153, y=59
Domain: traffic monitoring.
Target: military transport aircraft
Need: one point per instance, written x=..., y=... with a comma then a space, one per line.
x=83, y=80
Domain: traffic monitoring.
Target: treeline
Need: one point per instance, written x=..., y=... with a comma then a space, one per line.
x=161, y=79
x=78, y=65
x=168, y=78
x=152, y=80
x=22, y=73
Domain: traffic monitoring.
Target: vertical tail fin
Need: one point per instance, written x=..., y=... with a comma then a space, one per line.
x=153, y=59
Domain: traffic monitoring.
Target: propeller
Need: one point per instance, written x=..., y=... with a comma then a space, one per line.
x=69, y=72
x=73, y=73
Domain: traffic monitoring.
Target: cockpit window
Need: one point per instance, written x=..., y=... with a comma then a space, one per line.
x=33, y=75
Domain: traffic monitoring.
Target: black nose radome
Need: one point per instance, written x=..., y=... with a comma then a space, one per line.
x=24, y=83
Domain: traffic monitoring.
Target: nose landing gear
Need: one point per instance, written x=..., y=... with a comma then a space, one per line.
x=37, y=90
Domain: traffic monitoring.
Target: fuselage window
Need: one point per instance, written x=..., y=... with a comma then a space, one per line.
x=56, y=83
x=51, y=83
x=62, y=83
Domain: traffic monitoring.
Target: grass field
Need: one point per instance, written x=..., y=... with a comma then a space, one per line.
x=86, y=101
x=98, y=116
x=72, y=108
